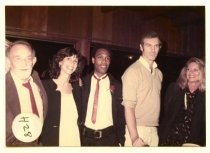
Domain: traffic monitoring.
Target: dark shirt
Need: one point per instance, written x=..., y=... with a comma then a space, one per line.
x=173, y=130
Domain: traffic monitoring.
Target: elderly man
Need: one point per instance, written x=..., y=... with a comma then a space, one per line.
x=24, y=93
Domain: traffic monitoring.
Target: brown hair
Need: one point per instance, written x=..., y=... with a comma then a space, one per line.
x=150, y=34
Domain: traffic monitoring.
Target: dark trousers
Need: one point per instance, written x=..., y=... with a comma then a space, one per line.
x=104, y=137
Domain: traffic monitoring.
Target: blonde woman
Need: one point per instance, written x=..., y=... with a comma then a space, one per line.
x=184, y=107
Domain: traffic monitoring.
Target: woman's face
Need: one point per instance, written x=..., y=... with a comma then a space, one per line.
x=69, y=64
x=193, y=72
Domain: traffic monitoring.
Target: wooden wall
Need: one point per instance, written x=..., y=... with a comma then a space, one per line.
x=84, y=25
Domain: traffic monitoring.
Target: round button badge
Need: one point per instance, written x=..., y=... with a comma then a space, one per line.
x=27, y=127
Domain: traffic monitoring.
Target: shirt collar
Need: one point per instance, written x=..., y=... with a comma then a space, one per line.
x=146, y=64
x=18, y=81
x=102, y=77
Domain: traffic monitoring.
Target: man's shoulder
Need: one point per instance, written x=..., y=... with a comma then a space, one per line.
x=8, y=76
x=86, y=80
x=160, y=74
x=35, y=75
x=9, y=81
x=113, y=79
x=135, y=65
x=37, y=80
x=133, y=69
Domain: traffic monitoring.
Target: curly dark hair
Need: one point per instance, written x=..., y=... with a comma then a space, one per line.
x=55, y=69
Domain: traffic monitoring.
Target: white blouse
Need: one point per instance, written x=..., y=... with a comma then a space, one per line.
x=69, y=131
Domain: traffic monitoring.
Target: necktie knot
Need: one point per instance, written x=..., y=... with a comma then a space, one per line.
x=27, y=85
x=100, y=78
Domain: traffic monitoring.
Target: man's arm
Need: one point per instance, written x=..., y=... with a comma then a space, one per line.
x=132, y=127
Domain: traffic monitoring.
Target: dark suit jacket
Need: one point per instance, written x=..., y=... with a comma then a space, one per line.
x=117, y=108
x=50, y=132
x=13, y=107
x=174, y=100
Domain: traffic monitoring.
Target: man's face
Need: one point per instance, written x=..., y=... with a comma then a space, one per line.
x=101, y=62
x=21, y=61
x=150, y=48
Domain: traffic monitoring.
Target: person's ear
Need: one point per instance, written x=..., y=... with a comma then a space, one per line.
x=60, y=63
x=93, y=60
x=7, y=66
x=34, y=61
x=141, y=47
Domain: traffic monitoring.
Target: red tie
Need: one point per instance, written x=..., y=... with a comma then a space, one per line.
x=33, y=103
x=95, y=104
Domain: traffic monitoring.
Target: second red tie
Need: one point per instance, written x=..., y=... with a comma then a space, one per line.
x=95, y=103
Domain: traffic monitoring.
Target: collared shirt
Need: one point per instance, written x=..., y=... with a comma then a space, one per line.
x=146, y=64
x=104, y=110
x=24, y=96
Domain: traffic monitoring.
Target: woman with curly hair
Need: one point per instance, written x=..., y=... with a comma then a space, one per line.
x=61, y=127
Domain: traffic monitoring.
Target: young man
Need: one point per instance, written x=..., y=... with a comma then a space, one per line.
x=21, y=58
x=103, y=115
x=141, y=94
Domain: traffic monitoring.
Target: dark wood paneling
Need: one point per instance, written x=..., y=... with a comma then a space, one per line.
x=120, y=26
x=34, y=19
x=13, y=16
x=59, y=20
x=102, y=23
x=70, y=21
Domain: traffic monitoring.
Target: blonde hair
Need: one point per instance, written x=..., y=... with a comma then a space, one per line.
x=182, y=79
